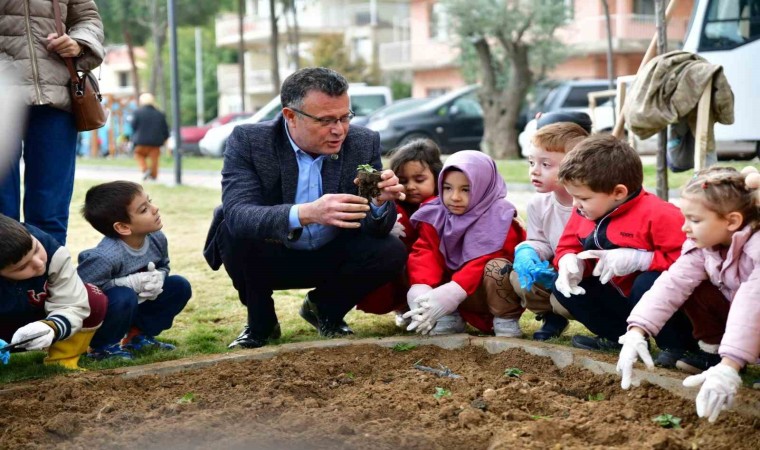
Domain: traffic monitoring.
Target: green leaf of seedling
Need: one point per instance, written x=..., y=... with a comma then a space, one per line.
x=513, y=372
x=365, y=168
x=596, y=397
x=187, y=398
x=667, y=421
x=350, y=375
x=536, y=417
x=441, y=392
x=404, y=347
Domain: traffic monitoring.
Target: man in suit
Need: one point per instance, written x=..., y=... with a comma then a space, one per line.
x=290, y=216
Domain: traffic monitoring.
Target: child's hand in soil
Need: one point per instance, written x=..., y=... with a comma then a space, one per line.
x=433, y=305
x=719, y=385
x=339, y=210
x=634, y=347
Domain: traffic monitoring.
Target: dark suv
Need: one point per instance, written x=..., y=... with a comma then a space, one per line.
x=454, y=121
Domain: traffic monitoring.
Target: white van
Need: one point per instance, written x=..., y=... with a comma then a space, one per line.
x=364, y=101
x=727, y=32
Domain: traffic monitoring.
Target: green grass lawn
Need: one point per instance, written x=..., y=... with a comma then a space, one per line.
x=127, y=161
x=214, y=316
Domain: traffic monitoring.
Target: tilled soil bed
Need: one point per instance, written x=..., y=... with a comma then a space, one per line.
x=361, y=397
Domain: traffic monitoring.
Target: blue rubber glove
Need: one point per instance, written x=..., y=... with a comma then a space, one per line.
x=545, y=275
x=526, y=260
x=5, y=355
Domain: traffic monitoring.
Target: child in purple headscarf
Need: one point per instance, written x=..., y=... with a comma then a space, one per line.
x=466, y=236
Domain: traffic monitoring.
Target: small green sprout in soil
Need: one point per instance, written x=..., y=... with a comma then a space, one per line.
x=513, y=372
x=596, y=397
x=667, y=421
x=404, y=347
x=540, y=417
x=441, y=392
x=350, y=375
x=365, y=168
x=187, y=398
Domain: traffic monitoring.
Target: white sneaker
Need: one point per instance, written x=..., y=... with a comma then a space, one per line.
x=506, y=327
x=401, y=322
x=451, y=324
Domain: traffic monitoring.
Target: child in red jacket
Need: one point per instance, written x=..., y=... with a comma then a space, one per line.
x=466, y=236
x=615, y=245
x=417, y=165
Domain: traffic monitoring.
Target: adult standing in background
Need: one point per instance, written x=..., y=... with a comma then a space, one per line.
x=149, y=132
x=31, y=48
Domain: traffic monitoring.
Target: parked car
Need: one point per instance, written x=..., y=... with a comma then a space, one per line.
x=454, y=121
x=364, y=101
x=191, y=136
x=401, y=105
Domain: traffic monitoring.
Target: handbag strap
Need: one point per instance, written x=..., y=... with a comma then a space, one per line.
x=59, y=29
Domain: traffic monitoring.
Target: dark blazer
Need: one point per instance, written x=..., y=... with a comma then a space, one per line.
x=149, y=127
x=260, y=176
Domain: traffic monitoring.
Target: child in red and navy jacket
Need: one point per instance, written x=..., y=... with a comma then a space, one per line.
x=615, y=245
x=466, y=236
x=417, y=165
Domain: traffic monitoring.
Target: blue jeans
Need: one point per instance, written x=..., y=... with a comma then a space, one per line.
x=49, y=152
x=151, y=317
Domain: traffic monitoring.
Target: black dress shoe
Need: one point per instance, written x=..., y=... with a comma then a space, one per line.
x=326, y=326
x=247, y=340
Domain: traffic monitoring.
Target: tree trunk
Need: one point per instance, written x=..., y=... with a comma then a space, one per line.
x=132, y=62
x=501, y=108
x=274, y=44
x=296, y=35
x=158, y=29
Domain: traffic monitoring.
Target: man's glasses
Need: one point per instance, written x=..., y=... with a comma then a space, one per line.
x=327, y=121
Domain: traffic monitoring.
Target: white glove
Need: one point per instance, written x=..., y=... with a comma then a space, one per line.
x=634, y=347
x=570, y=275
x=435, y=304
x=719, y=385
x=398, y=228
x=416, y=291
x=618, y=262
x=154, y=287
x=135, y=281
x=30, y=330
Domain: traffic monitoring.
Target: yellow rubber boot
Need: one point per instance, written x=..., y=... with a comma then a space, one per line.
x=66, y=353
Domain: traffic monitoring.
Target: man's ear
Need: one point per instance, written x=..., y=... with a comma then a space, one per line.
x=735, y=220
x=290, y=116
x=122, y=228
x=620, y=192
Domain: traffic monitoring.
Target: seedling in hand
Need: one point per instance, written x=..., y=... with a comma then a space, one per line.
x=667, y=421
x=368, y=178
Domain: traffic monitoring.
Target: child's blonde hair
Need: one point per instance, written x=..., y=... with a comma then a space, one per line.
x=725, y=190
x=559, y=137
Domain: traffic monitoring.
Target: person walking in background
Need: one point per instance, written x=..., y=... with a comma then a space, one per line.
x=149, y=132
x=31, y=49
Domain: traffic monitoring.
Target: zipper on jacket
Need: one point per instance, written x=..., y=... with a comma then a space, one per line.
x=599, y=246
x=32, y=54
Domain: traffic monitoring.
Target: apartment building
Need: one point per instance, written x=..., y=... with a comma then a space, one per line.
x=429, y=51
x=364, y=24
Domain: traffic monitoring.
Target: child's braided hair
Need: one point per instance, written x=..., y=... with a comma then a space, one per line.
x=725, y=189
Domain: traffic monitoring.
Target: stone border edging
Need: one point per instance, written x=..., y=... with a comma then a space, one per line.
x=562, y=357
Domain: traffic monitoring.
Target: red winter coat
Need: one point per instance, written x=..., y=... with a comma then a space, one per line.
x=645, y=222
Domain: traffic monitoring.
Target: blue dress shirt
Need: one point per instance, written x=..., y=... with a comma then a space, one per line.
x=309, y=189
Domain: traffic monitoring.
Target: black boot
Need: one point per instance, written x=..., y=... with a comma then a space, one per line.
x=247, y=339
x=553, y=326
x=325, y=325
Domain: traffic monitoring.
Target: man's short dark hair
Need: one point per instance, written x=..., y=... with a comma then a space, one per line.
x=16, y=241
x=601, y=162
x=297, y=85
x=108, y=203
